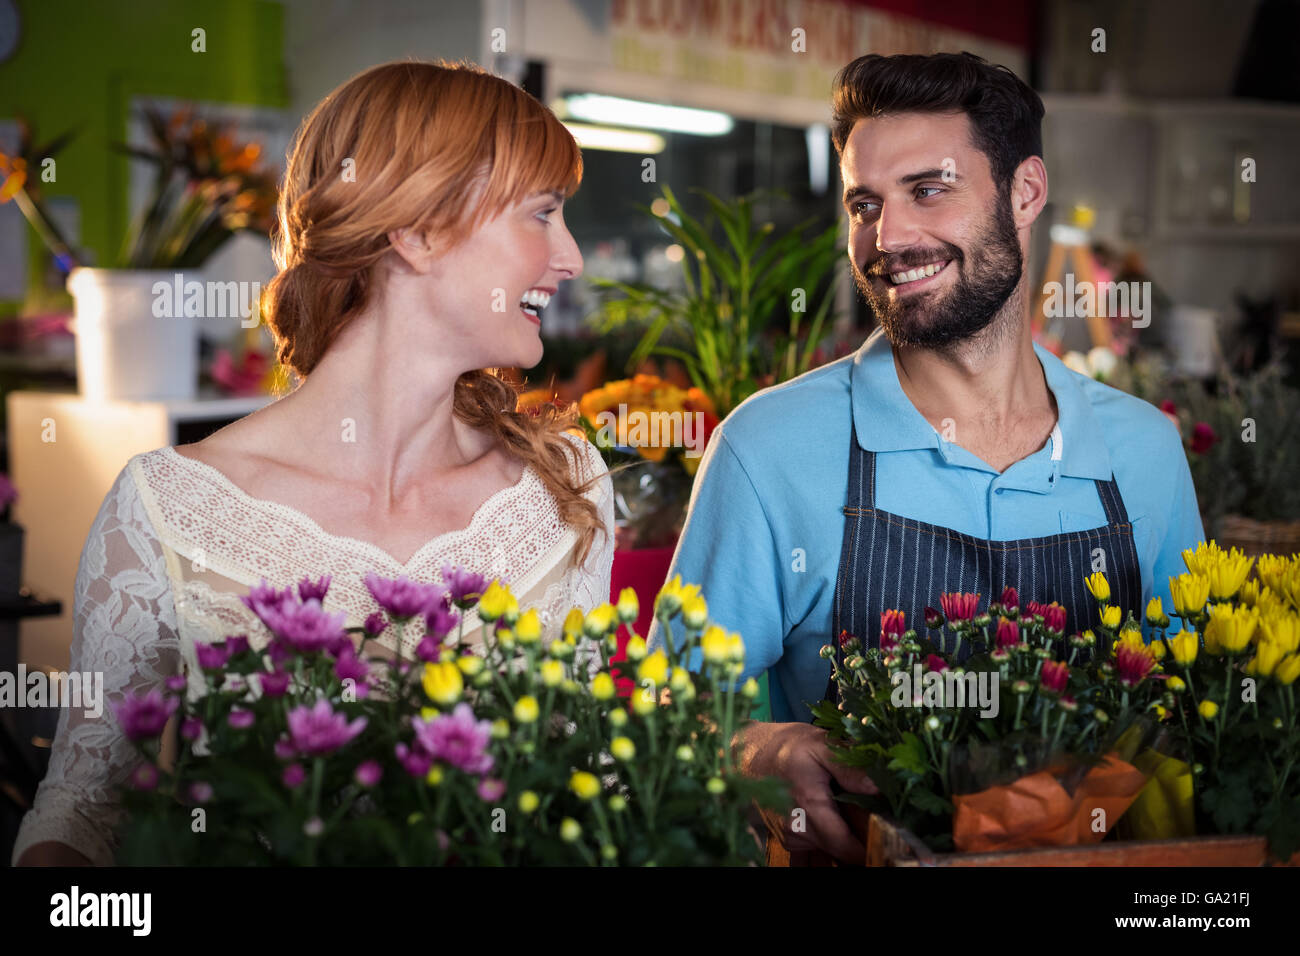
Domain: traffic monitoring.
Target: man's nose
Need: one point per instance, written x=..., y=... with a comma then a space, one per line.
x=895, y=229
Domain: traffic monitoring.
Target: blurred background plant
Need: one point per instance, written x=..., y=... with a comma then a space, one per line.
x=755, y=305
x=20, y=178
x=206, y=188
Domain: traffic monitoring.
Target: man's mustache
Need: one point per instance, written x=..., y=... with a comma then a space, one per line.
x=884, y=267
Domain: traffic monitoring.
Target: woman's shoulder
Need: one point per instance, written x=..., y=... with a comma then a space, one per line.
x=588, y=463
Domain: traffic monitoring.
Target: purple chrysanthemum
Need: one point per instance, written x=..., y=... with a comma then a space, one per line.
x=440, y=620
x=144, y=717
x=464, y=587
x=240, y=719
x=307, y=589
x=401, y=597
x=318, y=730
x=211, y=657
x=456, y=738
x=274, y=683
x=369, y=773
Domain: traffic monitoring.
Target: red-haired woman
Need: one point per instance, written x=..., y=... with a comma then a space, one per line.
x=420, y=237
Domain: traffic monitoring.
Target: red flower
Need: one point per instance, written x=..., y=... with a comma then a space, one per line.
x=1203, y=438
x=845, y=637
x=892, y=622
x=1168, y=407
x=1055, y=676
x=1010, y=599
x=1054, y=617
x=1132, y=664
x=935, y=663
x=933, y=618
x=959, y=607
x=1034, y=609
x=1008, y=634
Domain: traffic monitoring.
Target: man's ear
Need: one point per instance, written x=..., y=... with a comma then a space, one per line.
x=413, y=248
x=1028, y=191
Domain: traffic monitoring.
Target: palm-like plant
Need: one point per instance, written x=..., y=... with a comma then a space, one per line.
x=744, y=313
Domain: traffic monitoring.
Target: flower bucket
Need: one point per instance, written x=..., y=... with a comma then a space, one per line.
x=1259, y=537
x=124, y=351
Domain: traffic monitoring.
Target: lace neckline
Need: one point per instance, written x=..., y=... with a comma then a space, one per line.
x=482, y=513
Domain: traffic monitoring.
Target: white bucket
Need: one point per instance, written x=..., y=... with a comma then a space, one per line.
x=124, y=351
x=1194, y=340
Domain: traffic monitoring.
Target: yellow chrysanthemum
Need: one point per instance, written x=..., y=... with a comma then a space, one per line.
x=551, y=672
x=622, y=748
x=584, y=785
x=636, y=648
x=715, y=645
x=1185, y=645
x=528, y=629
x=600, y=620
x=629, y=608
x=1098, y=586
x=1267, y=656
x=494, y=602
x=471, y=665
x=443, y=682
x=1208, y=709
x=1282, y=629
x=528, y=801
x=1190, y=592
x=1110, y=617
x=602, y=686
x=526, y=709
x=669, y=599
x=1155, y=612
x=653, y=668
x=695, y=612
x=1288, y=669
x=1231, y=627
x=573, y=622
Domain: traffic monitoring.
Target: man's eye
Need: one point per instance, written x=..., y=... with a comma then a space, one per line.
x=923, y=189
x=858, y=207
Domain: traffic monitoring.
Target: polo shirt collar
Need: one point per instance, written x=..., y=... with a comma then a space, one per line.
x=884, y=419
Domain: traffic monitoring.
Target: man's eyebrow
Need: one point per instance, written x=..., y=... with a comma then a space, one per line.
x=946, y=175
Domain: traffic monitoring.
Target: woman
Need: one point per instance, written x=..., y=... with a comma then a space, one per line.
x=420, y=236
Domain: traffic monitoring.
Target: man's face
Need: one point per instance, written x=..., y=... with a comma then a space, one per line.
x=921, y=199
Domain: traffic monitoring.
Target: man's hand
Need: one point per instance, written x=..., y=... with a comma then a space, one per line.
x=798, y=753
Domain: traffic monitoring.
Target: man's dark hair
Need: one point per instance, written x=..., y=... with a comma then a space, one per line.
x=1006, y=116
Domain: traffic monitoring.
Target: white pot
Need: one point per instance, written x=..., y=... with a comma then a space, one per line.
x=125, y=350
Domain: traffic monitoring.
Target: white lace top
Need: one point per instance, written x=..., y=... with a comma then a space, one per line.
x=176, y=543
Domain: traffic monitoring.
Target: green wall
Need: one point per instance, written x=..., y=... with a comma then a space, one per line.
x=79, y=62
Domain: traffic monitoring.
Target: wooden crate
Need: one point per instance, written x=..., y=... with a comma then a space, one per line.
x=891, y=845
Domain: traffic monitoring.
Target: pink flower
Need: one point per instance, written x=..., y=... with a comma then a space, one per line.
x=1203, y=438
x=369, y=773
x=274, y=683
x=428, y=650
x=1008, y=634
x=284, y=749
x=307, y=589
x=845, y=637
x=375, y=623
x=959, y=607
x=240, y=719
x=1010, y=599
x=456, y=738
x=1034, y=609
x=1055, y=676
x=237, y=644
x=145, y=776
x=464, y=587
x=892, y=622
x=212, y=657
x=175, y=683
x=415, y=763
x=933, y=619
x=349, y=667
x=401, y=597
x=315, y=731
x=200, y=791
x=490, y=789
x=1054, y=618
x=440, y=620
x=304, y=626
x=934, y=662
x=144, y=717
x=1132, y=665
x=293, y=776
x=191, y=728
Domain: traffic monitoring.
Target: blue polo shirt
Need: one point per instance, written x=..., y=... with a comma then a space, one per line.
x=765, y=526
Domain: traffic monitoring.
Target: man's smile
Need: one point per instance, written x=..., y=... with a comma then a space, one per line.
x=915, y=278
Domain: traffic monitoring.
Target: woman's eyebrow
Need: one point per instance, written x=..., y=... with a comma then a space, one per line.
x=554, y=194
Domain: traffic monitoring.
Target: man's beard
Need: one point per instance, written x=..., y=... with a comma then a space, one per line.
x=985, y=280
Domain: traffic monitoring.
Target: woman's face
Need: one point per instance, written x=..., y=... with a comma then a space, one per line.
x=483, y=286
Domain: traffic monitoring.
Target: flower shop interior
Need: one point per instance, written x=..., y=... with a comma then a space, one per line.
x=1171, y=133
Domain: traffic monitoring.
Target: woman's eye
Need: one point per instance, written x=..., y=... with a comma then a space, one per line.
x=545, y=214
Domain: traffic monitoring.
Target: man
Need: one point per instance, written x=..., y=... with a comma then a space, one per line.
x=950, y=453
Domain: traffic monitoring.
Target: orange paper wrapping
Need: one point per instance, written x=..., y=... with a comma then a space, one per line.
x=1037, y=811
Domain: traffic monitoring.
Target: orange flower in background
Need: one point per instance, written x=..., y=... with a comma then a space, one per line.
x=641, y=407
x=14, y=171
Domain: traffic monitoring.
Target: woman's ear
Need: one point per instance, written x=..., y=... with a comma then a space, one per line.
x=413, y=248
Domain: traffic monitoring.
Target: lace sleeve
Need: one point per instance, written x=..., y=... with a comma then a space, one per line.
x=124, y=627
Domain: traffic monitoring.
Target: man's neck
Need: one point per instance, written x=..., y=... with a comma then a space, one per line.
x=982, y=388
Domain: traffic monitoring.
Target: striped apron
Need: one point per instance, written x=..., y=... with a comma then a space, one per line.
x=888, y=561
